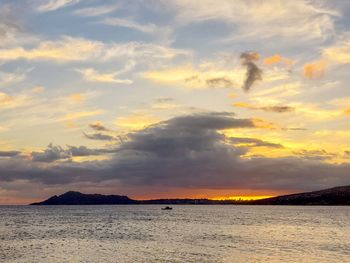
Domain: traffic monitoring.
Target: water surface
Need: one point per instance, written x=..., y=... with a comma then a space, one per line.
x=145, y=233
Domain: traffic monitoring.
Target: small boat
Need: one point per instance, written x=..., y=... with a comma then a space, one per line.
x=167, y=208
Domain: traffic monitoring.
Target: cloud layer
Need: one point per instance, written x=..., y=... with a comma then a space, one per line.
x=187, y=151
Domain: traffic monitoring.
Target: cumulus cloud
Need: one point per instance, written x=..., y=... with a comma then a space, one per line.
x=54, y=153
x=186, y=151
x=253, y=73
x=50, y=154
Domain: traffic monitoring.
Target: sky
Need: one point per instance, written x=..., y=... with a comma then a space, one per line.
x=173, y=98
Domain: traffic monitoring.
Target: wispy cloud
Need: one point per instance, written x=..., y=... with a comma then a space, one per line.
x=70, y=49
x=12, y=77
x=95, y=10
x=338, y=52
x=52, y=5
x=278, y=19
x=129, y=23
x=92, y=75
x=269, y=108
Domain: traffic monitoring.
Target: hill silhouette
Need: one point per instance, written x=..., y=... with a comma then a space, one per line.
x=332, y=196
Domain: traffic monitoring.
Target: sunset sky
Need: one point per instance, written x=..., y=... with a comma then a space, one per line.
x=173, y=98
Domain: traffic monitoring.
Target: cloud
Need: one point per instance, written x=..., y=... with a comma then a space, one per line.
x=189, y=77
x=9, y=153
x=70, y=49
x=13, y=77
x=136, y=121
x=78, y=151
x=92, y=75
x=220, y=82
x=315, y=154
x=99, y=136
x=253, y=73
x=52, y=153
x=188, y=152
x=97, y=126
x=12, y=30
x=148, y=28
x=95, y=10
x=276, y=59
x=270, y=108
x=164, y=103
x=57, y=153
x=338, y=52
x=253, y=142
x=52, y=5
x=38, y=89
x=314, y=70
x=8, y=101
x=307, y=21
x=81, y=114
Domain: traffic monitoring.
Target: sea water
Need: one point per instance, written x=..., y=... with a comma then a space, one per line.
x=202, y=233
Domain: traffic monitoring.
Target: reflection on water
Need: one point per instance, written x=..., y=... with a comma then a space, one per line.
x=185, y=234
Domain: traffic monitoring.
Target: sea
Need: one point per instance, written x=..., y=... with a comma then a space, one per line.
x=188, y=233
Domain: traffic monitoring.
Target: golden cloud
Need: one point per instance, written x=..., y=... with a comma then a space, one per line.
x=275, y=59
x=315, y=70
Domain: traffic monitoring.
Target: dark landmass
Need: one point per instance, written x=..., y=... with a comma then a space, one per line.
x=76, y=198
x=333, y=196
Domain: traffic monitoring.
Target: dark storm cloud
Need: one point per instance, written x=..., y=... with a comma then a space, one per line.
x=99, y=136
x=187, y=152
x=253, y=142
x=253, y=73
x=9, y=153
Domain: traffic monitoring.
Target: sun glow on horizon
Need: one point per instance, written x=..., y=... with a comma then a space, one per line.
x=241, y=198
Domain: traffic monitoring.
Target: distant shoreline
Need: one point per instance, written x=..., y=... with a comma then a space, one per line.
x=337, y=196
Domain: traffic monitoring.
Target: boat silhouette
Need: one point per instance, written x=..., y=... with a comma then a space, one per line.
x=167, y=208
